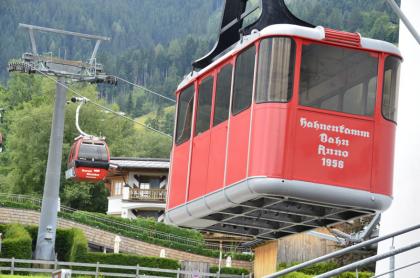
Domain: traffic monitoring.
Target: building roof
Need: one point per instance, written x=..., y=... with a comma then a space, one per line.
x=140, y=163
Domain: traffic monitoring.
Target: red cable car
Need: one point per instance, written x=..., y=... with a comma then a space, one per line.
x=88, y=160
x=292, y=129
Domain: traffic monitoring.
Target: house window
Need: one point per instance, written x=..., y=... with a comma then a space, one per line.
x=118, y=188
x=144, y=185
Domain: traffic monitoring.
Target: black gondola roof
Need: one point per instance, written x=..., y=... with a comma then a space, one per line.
x=234, y=13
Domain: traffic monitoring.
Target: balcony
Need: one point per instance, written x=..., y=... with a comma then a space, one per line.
x=146, y=195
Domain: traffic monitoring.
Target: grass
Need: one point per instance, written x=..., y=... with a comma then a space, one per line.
x=37, y=276
x=142, y=119
x=40, y=276
x=21, y=276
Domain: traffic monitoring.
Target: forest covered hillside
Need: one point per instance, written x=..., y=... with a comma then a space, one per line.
x=372, y=19
x=131, y=24
x=154, y=42
x=149, y=37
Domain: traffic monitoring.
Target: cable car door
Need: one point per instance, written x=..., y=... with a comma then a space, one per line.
x=201, y=140
x=181, y=149
x=216, y=168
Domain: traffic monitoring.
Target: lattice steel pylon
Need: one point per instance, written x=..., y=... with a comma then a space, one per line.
x=63, y=69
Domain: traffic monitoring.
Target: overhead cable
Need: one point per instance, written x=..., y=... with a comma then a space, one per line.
x=104, y=107
x=144, y=88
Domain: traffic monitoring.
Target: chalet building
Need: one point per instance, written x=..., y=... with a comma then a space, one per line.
x=137, y=187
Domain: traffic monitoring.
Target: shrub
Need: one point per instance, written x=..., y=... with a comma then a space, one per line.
x=70, y=244
x=363, y=274
x=142, y=223
x=82, y=217
x=24, y=276
x=240, y=256
x=314, y=269
x=152, y=224
x=229, y=270
x=342, y=275
x=197, y=247
x=133, y=260
x=2, y=229
x=17, y=243
x=321, y=268
x=78, y=252
x=33, y=231
x=79, y=246
x=297, y=275
x=11, y=204
x=63, y=241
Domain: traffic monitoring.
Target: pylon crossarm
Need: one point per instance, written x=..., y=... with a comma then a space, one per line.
x=79, y=71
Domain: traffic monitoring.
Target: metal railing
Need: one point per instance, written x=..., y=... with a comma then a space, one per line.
x=358, y=264
x=153, y=234
x=392, y=271
x=102, y=270
x=147, y=195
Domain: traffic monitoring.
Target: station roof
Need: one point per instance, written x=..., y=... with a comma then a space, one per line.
x=140, y=163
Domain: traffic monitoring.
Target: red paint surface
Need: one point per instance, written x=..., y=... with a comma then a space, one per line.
x=326, y=152
x=383, y=148
x=238, y=147
x=217, y=156
x=269, y=129
x=383, y=157
x=199, y=165
x=90, y=174
x=179, y=174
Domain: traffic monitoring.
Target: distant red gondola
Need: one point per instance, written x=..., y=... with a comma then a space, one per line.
x=88, y=160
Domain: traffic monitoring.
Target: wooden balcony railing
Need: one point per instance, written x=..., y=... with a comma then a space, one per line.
x=147, y=195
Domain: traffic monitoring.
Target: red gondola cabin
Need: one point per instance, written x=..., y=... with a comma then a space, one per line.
x=88, y=160
x=290, y=130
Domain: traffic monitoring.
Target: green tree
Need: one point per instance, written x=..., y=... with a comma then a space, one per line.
x=85, y=196
x=22, y=88
x=27, y=147
x=352, y=15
